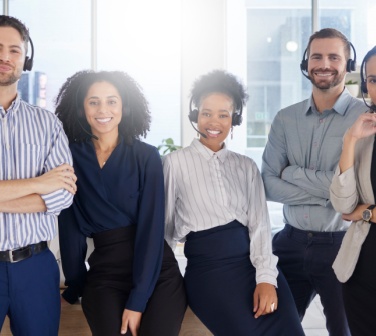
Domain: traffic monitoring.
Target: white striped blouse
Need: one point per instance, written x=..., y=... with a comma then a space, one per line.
x=205, y=189
x=32, y=143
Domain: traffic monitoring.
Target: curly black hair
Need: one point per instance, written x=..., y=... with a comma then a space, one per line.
x=135, y=121
x=222, y=82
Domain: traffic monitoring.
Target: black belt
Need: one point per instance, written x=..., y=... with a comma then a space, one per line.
x=23, y=252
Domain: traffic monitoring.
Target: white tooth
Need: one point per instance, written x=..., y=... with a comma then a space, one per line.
x=104, y=119
x=213, y=132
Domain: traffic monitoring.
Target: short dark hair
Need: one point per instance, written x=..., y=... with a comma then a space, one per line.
x=10, y=21
x=222, y=82
x=330, y=33
x=135, y=121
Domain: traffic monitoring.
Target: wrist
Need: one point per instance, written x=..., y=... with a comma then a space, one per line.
x=368, y=214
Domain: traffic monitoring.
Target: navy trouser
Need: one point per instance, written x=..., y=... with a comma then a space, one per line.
x=306, y=259
x=220, y=281
x=30, y=295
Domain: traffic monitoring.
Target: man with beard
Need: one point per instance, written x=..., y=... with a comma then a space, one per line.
x=36, y=183
x=299, y=160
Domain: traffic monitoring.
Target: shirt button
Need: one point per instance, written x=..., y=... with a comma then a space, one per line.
x=321, y=121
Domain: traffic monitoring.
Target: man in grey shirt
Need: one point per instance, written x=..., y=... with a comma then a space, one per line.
x=299, y=160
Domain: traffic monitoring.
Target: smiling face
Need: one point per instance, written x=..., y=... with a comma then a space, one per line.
x=371, y=78
x=327, y=63
x=12, y=56
x=215, y=119
x=103, y=109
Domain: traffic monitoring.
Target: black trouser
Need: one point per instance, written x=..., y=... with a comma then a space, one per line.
x=109, y=282
x=359, y=291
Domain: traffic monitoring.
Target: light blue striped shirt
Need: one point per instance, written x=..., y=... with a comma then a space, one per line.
x=206, y=189
x=32, y=143
x=299, y=160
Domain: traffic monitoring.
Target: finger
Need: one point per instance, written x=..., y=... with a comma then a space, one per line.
x=260, y=312
x=124, y=328
x=255, y=302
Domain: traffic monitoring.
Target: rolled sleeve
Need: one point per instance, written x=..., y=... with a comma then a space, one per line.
x=343, y=192
x=57, y=201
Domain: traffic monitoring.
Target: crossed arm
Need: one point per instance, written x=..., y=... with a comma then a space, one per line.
x=24, y=195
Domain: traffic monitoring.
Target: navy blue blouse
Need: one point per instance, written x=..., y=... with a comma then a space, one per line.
x=128, y=190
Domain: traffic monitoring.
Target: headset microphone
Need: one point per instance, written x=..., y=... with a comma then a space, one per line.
x=78, y=116
x=202, y=134
x=85, y=130
x=193, y=117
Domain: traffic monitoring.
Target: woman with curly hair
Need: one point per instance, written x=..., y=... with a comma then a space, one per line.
x=215, y=202
x=133, y=285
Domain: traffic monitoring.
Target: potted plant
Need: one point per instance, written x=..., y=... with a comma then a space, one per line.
x=167, y=146
x=353, y=87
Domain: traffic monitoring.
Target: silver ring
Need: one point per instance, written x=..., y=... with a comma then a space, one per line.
x=272, y=307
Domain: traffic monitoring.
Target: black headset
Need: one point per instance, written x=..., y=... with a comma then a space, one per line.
x=237, y=117
x=363, y=79
x=28, y=64
x=350, y=66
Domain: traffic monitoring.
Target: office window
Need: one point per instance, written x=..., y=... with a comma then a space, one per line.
x=277, y=32
x=139, y=37
x=277, y=35
x=60, y=31
x=142, y=38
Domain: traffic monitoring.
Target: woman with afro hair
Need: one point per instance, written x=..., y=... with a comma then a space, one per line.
x=133, y=285
x=215, y=202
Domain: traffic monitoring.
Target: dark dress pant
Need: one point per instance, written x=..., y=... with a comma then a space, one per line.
x=220, y=281
x=30, y=295
x=359, y=292
x=109, y=283
x=306, y=259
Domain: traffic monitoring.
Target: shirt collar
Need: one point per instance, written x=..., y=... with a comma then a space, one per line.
x=14, y=106
x=207, y=153
x=340, y=105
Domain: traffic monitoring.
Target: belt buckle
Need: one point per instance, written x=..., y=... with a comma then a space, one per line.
x=11, y=256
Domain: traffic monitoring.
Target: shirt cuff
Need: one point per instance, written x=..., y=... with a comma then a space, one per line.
x=137, y=302
x=57, y=201
x=267, y=276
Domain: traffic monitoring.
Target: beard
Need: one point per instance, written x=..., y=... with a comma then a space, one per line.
x=9, y=79
x=325, y=84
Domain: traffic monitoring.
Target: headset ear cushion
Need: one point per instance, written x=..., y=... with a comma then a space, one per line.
x=351, y=65
x=193, y=116
x=304, y=65
x=363, y=87
x=28, y=64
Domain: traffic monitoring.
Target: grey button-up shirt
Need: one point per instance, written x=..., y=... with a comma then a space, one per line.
x=303, y=150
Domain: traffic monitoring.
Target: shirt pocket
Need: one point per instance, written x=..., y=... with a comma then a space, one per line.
x=30, y=160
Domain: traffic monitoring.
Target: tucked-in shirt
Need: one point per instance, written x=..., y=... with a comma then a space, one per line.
x=128, y=190
x=302, y=152
x=206, y=189
x=32, y=143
